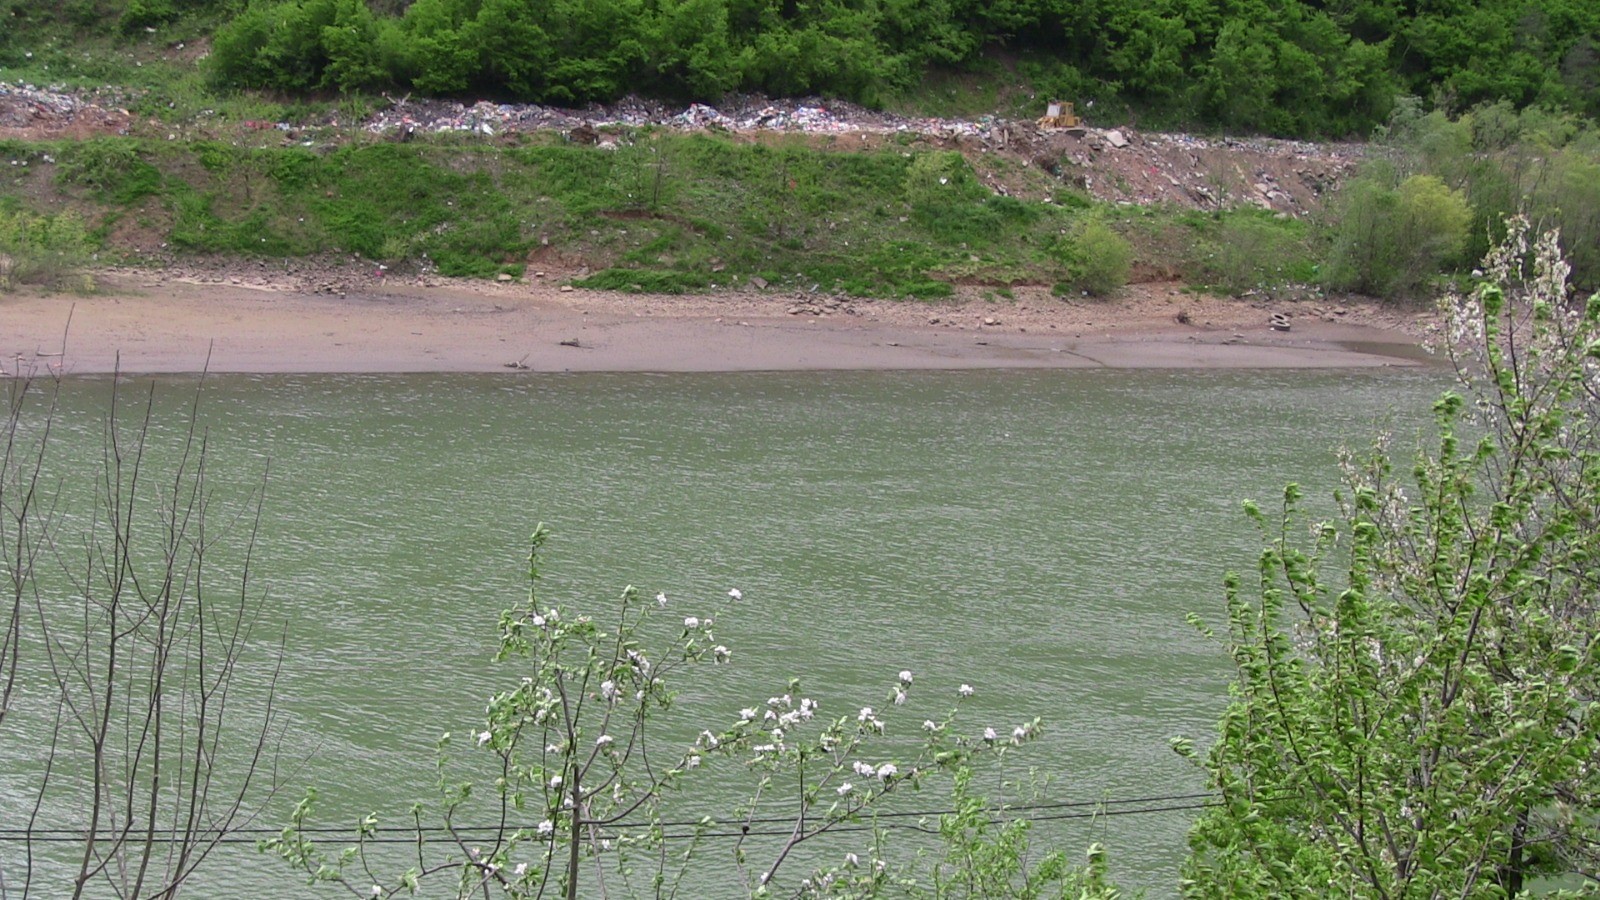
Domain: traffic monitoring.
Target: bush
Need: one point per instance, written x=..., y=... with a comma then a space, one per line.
x=141, y=14
x=1392, y=242
x=1097, y=258
x=43, y=250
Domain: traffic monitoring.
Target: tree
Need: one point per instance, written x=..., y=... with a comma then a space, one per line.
x=1411, y=710
x=126, y=640
x=583, y=754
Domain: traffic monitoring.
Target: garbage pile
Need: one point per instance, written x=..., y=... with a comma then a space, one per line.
x=1117, y=165
x=1124, y=166
x=30, y=112
x=810, y=115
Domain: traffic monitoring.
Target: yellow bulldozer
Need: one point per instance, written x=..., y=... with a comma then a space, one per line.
x=1059, y=115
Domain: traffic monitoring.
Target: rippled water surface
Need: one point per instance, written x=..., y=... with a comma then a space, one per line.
x=1040, y=535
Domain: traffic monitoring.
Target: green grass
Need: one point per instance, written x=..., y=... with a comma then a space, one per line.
x=1242, y=250
x=661, y=212
x=43, y=249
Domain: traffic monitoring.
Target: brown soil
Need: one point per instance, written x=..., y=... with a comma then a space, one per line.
x=246, y=321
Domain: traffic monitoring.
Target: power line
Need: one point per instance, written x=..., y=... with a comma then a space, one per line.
x=1052, y=811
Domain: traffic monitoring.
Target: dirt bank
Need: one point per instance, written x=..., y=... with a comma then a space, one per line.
x=243, y=322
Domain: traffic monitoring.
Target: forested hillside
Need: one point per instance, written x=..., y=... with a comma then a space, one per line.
x=1272, y=66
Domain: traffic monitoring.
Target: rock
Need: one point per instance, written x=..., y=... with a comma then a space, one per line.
x=759, y=282
x=502, y=277
x=570, y=342
x=566, y=288
x=1116, y=139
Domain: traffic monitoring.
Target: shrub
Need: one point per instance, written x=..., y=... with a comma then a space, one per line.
x=1392, y=242
x=141, y=14
x=1097, y=258
x=42, y=249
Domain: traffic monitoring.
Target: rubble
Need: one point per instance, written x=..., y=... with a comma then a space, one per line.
x=31, y=113
x=1116, y=165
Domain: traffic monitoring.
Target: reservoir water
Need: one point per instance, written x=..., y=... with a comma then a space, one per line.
x=1040, y=536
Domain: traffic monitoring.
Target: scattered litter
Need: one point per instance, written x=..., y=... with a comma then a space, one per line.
x=1116, y=165
x=27, y=111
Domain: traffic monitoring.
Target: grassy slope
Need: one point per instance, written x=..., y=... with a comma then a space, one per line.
x=661, y=211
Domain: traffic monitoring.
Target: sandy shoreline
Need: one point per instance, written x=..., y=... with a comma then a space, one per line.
x=159, y=324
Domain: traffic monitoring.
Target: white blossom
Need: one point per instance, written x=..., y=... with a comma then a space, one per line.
x=546, y=828
x=555, y=782
x=929, y=725
x=851, y=860
x=905, y=676
x=691, y=623
x=661, y=599
x=521, y=869
x=720, y=653
x=865, y=770
x=748, y=715
x=845, y=788
x=603, y=740
x=736, y=594
x=887, y=771
x=483, y=738
x=866, y=713
x=965, y=690
x=899, y=697
x=989, y=735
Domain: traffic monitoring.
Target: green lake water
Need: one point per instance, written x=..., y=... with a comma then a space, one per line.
x=1039, y=535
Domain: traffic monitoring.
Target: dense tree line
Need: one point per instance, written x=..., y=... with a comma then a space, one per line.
x=1295, y=67
x=1278, y=66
